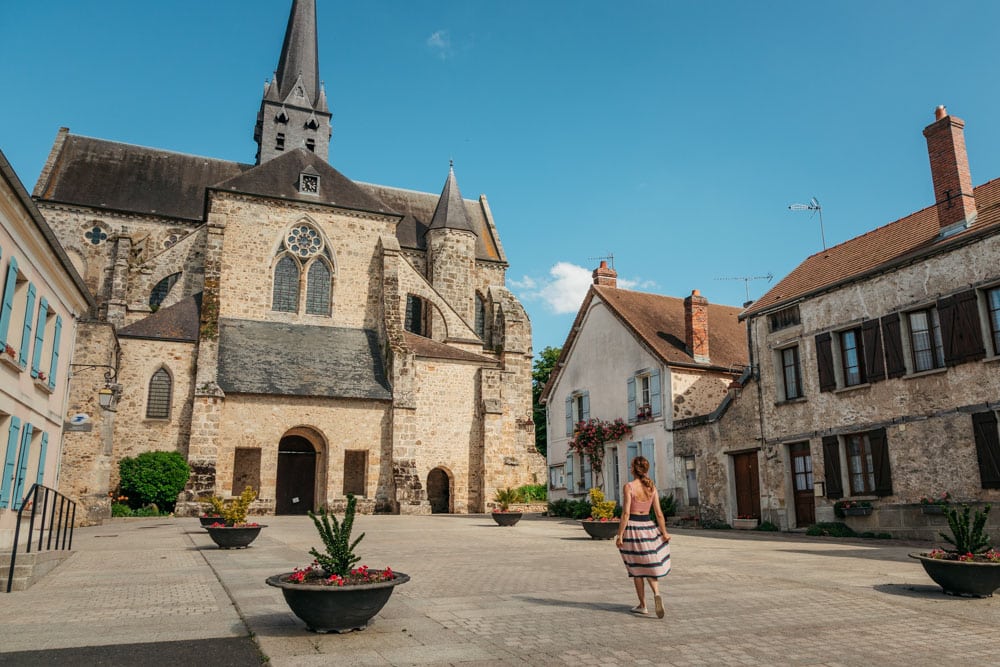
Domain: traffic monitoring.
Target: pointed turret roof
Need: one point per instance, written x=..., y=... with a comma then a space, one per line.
x=450, y=212
x=300, y=53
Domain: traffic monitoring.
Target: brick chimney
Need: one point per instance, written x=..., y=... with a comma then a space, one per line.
x=603, y=275
x=696, y=326
x=956, y=203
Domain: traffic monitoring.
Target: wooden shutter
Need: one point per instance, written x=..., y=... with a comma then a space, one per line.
x=960, y=328
x=54, y=366
x=880, y=462
x=831, y=465
x=26, y=335
x=871, y=343
x=654, y=392
x=569, y=416
x=8, y=301
x=824, y=362
x=9, y=460
x=36, y=355
x=984, y=426
x=631, y=398
x=22, y=467
x=43, y=450
x=894, y=362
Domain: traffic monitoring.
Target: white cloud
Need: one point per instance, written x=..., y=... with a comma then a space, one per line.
x=525, y=283
x=440, y=43
x=563, y=290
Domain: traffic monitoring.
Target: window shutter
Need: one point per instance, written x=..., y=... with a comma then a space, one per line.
x=654, y=392
x=880, y=462
x=54, y=366
x=568, y=471
x=40, y=477
x=8, y=300
x=26, y=334
x=960, y=328
x=984, y=426
x=569, y=416
x=22, y=467
x=871, y=339
x=648, y=449
x=824, y=362
x=631, y=398
x=586, y=406
x=8, y=462
x=632, y=451
x=831, y=465
x=895, y=366
x=36, y=356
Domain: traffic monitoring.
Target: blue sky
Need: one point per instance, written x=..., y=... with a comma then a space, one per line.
x=671, y=134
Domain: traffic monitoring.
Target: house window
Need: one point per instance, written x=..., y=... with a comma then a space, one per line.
x=557, y=479
x=925, y=340
x=860, y=465
x=791, y=372
x=984, y=427
x=158, y=398
x=850, y=356
x=644, y=395
x=868, y=467
x=161, y=290
x=783, y=319
x=577, y=410
x=993, y=306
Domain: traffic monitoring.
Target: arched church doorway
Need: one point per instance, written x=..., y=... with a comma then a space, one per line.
x=438, y=491
x=295, y=492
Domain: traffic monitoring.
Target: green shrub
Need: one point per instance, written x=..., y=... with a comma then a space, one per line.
x=767, y=526
x=339, y=556
x=667, y=505
x=120, y=509
x=153, y=478
x=967, y=535
x=233, y=512
x=599, y=507
x=831, y=529
x=570, y=509
x=714, y=524
x=505, y=497
x=533, y=492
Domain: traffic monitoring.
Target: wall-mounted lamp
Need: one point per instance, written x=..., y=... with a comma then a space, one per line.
x=109, y=395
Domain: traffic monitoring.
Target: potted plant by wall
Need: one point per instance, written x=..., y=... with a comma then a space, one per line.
x=844, y=508
x=935, y=504
x=502, y=514
x=331, y=594
x=602, y=524
x=232, y=531
x=971, y=566
x=745, y=522
x=209, y=515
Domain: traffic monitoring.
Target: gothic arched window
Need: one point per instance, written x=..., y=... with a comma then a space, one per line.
x=158, y=399
x=162, y=289
x=480, y=317
x=286, y=285
x=414, y=321
x=318, y=289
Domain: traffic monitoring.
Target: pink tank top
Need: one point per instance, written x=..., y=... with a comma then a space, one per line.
x=641, y=506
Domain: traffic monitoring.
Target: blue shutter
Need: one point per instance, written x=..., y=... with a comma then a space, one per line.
x=586, y=406
x=568, y=472
x=26, y=336
x=586, y=472
x=632, y=451
x=631, y=399
x=54, y=366
x=569, y=416
x=22, y=467
x=8, y=463
x=648, y=450
x=40, y=477
x=36, y=357
x=654, y=392
x=8, y=300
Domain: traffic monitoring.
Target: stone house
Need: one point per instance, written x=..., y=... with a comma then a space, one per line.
x=287, y=328
x=651, y=360
x=877, y=360
x=43, y=298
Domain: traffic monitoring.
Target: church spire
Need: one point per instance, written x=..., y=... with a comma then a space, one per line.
x=294, y=112
x=450, y=212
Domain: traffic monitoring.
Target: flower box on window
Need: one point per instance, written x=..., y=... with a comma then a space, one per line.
x=9, y=357
x=844, y=508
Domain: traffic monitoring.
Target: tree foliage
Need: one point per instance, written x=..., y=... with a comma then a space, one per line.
x=545, y=362
x=153, y=478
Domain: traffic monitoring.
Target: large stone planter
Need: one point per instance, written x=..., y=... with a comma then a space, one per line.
x=601, y=530
x=336, y=608
x=962, y=578
x=932, y=509
x=506, y=518
x=234, y=537
x=745, y=524
x=857, y=511
x=209, y=520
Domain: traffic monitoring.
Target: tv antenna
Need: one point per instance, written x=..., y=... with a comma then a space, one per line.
x=746, y=282
x=610, y=257
x=813, y=206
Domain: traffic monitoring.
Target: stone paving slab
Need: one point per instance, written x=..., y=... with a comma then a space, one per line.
x=539, y=593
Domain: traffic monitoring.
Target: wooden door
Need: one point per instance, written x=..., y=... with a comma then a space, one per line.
x=800, y=461
x=747, y=484
x=296, y=484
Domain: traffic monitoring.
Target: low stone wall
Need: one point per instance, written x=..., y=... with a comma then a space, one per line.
x=910, y=523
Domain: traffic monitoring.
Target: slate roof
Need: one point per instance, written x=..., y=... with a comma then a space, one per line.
x=178, y=322
x=450, y=212
x=905, y=240
x=300, y=360
x=658, y=322
x=432, y=349
x=299, y=52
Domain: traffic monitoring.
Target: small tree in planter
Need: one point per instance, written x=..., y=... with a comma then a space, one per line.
x=233, y=531
x=331, y=595
x=602, y=524
x=972, y=565
x=502, y=514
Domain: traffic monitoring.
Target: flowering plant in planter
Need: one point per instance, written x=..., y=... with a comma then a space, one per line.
x=942, y=499
x=600, y=509
x=972, y=566
x=10, y=352
x=589, y=438
x=969, y=542
x=233, y=512
x=840, y=506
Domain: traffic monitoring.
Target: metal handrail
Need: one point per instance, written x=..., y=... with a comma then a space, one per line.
x=63, y=528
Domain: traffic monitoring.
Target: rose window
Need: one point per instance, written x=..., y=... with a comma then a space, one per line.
x=303, y=241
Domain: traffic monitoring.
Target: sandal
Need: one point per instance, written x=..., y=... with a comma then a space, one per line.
x=659, y=606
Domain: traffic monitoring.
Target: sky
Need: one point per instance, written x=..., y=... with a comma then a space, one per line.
x=670, y=135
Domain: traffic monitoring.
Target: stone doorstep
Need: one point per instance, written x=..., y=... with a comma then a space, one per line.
x=29, y=567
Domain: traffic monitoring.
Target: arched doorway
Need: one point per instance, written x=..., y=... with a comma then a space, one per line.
x=295, y=492
x=438, y=491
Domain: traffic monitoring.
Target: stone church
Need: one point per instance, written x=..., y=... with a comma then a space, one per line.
x=287, y=328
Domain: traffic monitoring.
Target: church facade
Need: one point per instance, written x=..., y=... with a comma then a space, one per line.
x=287, y=328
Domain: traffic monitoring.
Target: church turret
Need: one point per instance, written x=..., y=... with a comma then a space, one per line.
x=294, y=112
x=451, y=250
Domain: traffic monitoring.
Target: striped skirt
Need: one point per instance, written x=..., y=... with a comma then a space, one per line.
x=645, y=552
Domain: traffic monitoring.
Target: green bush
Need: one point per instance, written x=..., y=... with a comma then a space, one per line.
x=123, y=510
x=667, y=505
x=831, y=529
x=533, y=492
x=713, y=524
x=767, y=526
x=120, y=509
x=571, y=509
x=153, y=478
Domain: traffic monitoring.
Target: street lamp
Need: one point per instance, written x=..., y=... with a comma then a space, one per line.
x=108, y=395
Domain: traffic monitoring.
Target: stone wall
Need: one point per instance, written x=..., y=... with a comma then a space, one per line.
x=695, y=393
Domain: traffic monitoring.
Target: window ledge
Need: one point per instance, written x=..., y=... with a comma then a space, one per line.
x=853, y=387
x=993, y=359
x=10, y=363
x=792, y=401
x=920, y=374
x=158, y=420
x=43, y=385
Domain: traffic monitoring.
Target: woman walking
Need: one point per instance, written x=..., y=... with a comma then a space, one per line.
x=644, y=545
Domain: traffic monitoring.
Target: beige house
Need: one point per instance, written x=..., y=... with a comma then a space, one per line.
x=290, y=329
x=651, y=360
x=42, y=300
x=878, y=362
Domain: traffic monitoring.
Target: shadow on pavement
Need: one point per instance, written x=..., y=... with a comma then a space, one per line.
x=913, y=591
x=550, y=602
x=225, y=652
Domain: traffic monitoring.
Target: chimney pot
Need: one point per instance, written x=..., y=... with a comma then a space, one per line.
x=604, y=275
x=940, y=112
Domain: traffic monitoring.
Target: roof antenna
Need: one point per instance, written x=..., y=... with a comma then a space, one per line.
x=610, y=257
x=746, y=281
x=813, y=206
